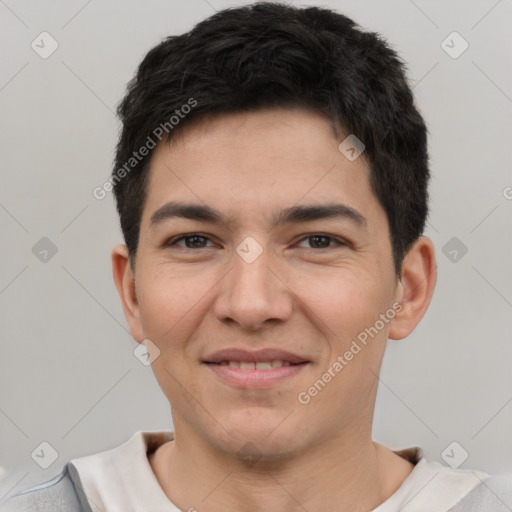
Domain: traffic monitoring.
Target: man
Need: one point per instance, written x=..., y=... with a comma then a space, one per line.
x=271, y=181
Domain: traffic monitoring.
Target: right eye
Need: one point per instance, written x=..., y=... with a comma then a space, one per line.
x=192, y=241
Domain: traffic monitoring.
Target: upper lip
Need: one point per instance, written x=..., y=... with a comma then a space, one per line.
x=266, y=354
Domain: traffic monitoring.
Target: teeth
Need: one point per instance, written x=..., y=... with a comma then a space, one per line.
x=261, y=365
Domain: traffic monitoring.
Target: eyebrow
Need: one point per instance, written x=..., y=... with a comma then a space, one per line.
x=292, y=215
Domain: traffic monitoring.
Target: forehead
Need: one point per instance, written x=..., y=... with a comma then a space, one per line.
x=258, y=163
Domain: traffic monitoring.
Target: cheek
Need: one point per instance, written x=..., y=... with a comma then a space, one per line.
x=170, y=306
x=171, y=310
x=346, y=308
x=344, y=301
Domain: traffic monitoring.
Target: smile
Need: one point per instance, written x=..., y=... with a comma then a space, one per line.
x=255, y=375
x=260, y=365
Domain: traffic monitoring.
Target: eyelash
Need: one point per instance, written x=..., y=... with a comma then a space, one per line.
x=339, y=243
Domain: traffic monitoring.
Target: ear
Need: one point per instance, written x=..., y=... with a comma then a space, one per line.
x=125, y=284
x=415, y=287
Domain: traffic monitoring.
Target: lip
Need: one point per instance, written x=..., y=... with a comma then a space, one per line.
x=254, y=356
x=255, y=379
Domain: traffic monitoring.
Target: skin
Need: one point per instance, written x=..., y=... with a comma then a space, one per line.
x=296, y=296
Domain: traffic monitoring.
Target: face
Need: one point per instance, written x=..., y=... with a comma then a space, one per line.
x=308, y=284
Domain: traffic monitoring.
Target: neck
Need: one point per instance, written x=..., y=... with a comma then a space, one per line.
x=354, y=476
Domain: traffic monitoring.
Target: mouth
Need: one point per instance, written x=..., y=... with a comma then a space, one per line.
x=255, y=369
x=260, y=375
x=259, y=365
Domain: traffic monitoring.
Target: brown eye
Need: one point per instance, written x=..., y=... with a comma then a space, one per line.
x=192, y=241
x=321, y=241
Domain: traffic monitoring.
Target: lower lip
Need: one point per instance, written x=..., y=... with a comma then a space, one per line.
x=255, y=379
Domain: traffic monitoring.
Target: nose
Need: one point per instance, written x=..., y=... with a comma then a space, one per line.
x=253, y=293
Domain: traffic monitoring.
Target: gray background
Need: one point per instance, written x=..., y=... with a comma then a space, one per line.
x=68, y=375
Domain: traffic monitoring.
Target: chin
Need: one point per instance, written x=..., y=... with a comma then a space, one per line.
x=268, y=438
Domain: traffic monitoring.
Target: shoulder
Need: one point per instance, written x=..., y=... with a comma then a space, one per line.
x=492, y=494
x=62, y=493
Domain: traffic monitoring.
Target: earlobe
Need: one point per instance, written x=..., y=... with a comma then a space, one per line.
x=125, y=284
x=415, y=287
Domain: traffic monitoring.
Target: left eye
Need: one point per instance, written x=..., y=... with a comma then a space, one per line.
x=323, y=241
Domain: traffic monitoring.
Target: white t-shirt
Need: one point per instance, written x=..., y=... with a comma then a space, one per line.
x=122, y=480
